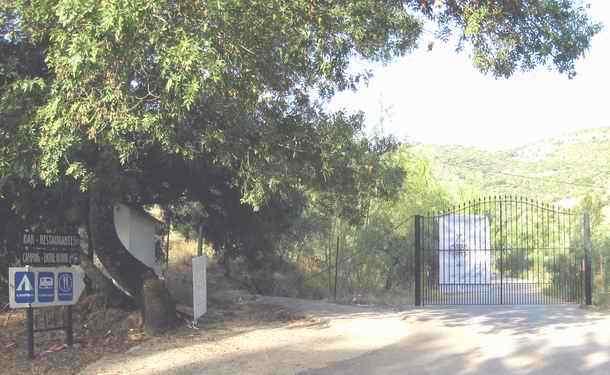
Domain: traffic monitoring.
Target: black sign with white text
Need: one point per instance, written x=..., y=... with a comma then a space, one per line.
x=50, y=249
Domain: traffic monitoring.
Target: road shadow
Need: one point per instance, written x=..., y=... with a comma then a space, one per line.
x=461, y=340
x=519, y=319
x=430, y=353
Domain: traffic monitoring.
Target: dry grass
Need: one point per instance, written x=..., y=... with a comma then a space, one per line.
x=394, y=297
x=181, y=249
x=97, y=331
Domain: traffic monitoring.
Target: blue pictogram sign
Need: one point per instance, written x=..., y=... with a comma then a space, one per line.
x=65, y=286
x=24, y=287
x=46, y=286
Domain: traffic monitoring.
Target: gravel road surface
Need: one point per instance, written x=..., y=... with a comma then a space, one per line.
x=336, y=339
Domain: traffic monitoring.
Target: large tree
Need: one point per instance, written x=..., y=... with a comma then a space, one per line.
x=157, y=101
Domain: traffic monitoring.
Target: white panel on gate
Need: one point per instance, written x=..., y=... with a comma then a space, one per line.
x=200, y=293
x=464, y=249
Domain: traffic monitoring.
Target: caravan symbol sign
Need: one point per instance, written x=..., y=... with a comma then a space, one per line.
x=46, y=286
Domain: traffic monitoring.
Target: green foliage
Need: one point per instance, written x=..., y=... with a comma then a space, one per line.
x=382, y=249
x=375, y=253
x=128, y=75
x=551, y=170
x=506, y=36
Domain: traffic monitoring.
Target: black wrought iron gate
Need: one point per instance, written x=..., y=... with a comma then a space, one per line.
x=502, y=250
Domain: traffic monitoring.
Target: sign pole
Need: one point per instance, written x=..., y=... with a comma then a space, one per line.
x=200, y=241
x=69, y=330
x=30, y=332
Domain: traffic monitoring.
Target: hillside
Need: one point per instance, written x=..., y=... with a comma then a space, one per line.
x=553, y=170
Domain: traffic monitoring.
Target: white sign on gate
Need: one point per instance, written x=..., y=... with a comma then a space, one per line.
x=464, y=249
x=45, y=286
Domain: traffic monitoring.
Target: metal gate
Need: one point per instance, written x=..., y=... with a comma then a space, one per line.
x=502, y=250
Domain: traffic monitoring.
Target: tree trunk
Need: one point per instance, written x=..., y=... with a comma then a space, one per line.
x=158, y=308
x=125, y=269
x=226, y=262
x=389, y=281
x=97, y=282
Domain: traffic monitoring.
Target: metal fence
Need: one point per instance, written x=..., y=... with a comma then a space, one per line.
x=502, y=250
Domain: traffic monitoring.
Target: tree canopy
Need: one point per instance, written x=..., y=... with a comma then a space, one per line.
x=230, y=81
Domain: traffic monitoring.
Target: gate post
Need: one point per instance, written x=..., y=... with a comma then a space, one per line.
x=588, y=265
x=418, y=260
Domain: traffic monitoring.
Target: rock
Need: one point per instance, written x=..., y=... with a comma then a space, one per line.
x=159, y=309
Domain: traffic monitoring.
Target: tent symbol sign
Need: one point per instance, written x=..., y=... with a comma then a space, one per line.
x=24, y=290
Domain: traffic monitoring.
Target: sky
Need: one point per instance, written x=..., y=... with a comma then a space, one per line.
x=438, y=97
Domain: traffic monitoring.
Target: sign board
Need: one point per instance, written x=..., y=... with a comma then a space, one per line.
x=47, y=249
x=200, y=292
x=464, y=249
x=65, y=286
x=24, y=287
x=45, y=286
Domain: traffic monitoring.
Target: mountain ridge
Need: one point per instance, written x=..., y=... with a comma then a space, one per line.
x=554, y=169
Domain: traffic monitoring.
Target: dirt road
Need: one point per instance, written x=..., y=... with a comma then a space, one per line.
x=350, y=340
x=543, y=340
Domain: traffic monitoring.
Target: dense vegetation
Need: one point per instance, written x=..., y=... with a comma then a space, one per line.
x=365, y=256
x=568, y=171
